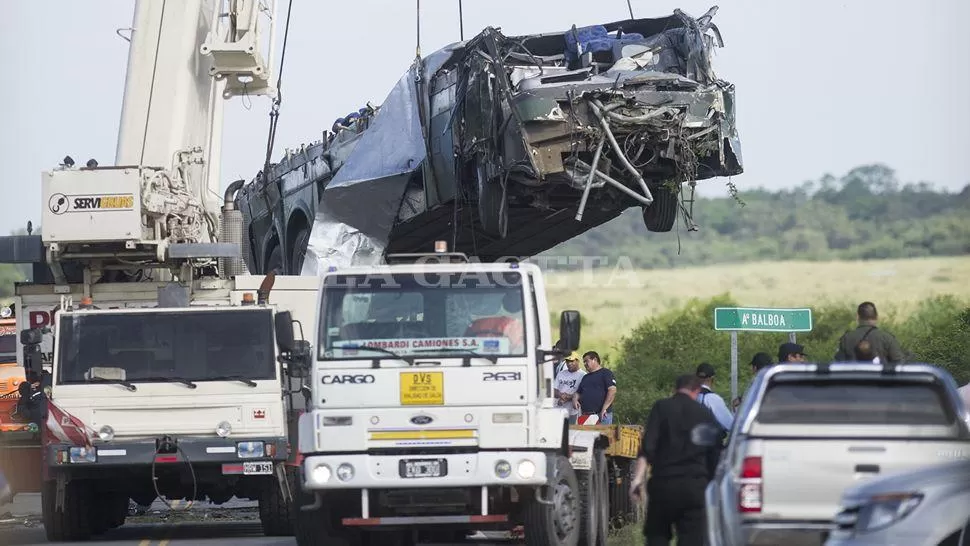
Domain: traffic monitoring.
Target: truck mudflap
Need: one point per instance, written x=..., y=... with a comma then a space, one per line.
x=581, y=444
x=238, y=456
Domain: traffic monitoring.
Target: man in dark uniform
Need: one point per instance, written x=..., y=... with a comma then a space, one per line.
x=758, y=363
x=791, y=352
x=884, y=345
x=679, y=469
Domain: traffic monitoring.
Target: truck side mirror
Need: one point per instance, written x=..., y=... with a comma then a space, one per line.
x=569, y=330
x=284, y=331
x=31, y=336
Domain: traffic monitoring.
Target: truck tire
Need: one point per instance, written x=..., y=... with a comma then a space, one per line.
x=588, y=487
x=321, y=527
x=557, y=523
x=275, y=513
x=73, y=523
x=603, y=501
x=493, y=205
x=299, y=251
x=662, y=213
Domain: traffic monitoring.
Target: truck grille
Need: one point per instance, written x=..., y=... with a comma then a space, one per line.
x=405, y=502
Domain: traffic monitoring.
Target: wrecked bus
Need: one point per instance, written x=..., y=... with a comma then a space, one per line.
x=505, y=146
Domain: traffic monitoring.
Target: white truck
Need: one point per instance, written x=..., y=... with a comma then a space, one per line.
x=161, y=390
x=432, y=411
x=172, y=377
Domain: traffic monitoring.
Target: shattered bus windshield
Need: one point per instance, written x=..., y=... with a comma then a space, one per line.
x=450, y=314
x=191, y=346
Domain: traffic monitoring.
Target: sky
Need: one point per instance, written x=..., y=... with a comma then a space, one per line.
x=822, y=85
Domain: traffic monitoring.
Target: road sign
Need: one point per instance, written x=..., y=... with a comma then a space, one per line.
x=754, y=319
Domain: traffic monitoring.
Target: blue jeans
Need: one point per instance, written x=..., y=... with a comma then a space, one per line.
x=608, y=420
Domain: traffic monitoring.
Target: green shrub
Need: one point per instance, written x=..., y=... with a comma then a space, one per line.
x=659, y=349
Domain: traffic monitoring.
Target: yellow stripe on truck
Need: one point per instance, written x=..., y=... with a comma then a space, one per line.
x=455, y=434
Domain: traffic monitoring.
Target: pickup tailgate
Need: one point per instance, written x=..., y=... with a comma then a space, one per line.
x=816, y=436
x=804, y=478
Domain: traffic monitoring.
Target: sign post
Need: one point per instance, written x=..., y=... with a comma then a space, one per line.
x=758, y=319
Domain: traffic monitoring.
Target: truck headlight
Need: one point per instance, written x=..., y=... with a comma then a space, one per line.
x=83, y=455
x=884, y=510
x=250, y=450
x=527, y=469
x=320, y=473
x=224, y=429
x=345, y=472
x=503, y=469
x=106, y=433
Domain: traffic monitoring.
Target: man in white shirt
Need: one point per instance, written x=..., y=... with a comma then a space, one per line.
x=711, y=399
x=567, y=381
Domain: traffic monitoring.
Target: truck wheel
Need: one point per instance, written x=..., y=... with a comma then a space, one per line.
x=603, y=501
x=557, y=523
x=493, y=205
x=299, y=251
x=587, y=501
x=662, y=213
x=73, y=523
x=321, y=527
x=275, y=513
x=274, y=264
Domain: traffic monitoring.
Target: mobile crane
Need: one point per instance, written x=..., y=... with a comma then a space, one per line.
x=160, y=347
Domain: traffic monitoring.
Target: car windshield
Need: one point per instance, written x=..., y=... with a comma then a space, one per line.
x=405, y=315
x=847, y=402
x=166, y=346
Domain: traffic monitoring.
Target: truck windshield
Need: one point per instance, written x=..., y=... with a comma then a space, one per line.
x=439, y=314
x=8, y=348
x=193, y=346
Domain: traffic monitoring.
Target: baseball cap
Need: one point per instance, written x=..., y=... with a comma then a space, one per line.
x=761, y=360
x=790, y=349
x=705, y=370
x=574, y=356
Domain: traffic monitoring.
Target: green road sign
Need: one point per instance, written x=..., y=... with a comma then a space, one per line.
x=754, y=319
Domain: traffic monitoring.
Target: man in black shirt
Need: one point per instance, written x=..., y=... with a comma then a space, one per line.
x=679, y=469
x=596, y=391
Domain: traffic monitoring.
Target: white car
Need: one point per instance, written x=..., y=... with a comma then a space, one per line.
x=926, y=507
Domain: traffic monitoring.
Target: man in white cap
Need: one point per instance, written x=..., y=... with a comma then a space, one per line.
x=567, y=381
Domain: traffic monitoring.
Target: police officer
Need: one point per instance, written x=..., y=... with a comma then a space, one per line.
x=711, y=399
x=758, y=363
x=884, y=345
x=791, y=352
x=680, y=470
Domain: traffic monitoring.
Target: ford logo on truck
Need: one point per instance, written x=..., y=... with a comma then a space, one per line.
x=347, y=379
x=422, y=419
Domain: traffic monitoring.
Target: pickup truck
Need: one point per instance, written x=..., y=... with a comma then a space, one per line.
x=807, y=432
x=925, y=507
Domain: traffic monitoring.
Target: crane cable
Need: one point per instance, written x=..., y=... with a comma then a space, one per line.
x=274, y=113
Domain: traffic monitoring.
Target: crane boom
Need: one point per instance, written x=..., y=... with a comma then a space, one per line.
x=157, y=206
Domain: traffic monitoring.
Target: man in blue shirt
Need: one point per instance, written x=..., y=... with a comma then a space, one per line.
x=711, y=399
x=596, y=391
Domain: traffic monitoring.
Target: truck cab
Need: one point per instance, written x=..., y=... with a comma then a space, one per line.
x=432, y=407
x=171, y=402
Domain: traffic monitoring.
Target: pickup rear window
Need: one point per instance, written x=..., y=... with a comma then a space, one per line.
x=855, y=402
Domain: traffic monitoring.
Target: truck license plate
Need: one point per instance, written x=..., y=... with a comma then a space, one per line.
x=424, y=468
x=422, y=388
x=257, y=469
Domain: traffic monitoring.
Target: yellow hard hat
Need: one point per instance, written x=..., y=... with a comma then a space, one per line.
x=574, y=356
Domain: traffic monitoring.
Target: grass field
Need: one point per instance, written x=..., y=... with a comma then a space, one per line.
x=612, y=301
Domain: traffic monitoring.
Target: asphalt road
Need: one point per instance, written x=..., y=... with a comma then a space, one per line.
x=235, y=523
